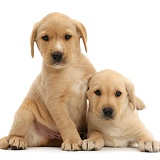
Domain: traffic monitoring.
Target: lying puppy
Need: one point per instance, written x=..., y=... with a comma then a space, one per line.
x=55, y=105
x=112, y=119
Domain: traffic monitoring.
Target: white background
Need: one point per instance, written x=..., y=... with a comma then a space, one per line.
x=123, y=35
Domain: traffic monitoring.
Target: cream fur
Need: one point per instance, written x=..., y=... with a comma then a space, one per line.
x=56, y=102
x=125, y=127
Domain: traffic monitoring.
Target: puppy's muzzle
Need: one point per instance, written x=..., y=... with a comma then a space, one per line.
x=108, y=112
x=57, y=56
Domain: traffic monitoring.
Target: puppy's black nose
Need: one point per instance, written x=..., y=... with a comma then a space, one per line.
x=108, y=112
x=57, y=56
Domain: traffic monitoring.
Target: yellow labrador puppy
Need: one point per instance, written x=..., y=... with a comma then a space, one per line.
x=55, y=106
x=112, y=119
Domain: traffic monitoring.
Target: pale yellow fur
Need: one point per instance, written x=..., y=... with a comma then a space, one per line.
x=56, y=101
x=125, y=127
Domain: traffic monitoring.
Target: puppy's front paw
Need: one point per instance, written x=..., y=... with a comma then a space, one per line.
x=17, y=143
x=89, y=145
x=149, y=146
x=72, y=145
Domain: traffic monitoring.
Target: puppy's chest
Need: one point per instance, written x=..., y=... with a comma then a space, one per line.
x=116, y=137
x=78, y=87
x=65, y=86
x=68, y=88
x=77, y=94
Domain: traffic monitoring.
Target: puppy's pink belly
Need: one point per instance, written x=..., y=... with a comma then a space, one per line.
x=40, y=135
x=48, y=133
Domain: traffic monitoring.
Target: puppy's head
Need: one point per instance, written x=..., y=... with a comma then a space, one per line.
x=109, y=94
x=58, y=39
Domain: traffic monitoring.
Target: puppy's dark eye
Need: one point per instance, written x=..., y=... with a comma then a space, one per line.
x=118, y=93
x=98, y=92
x=67, y=37
x=45, y=38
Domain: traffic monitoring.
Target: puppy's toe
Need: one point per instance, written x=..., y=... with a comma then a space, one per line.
x=4, y=143
x=87, y=145
x=149, y=146
x=71, y=145
x=98, y=144
x=17, y=143
x=156, y=146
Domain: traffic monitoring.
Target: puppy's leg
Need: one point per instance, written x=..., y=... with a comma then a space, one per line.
x=146, y=142
x=23, y=120
x=95, y=141
x=66, y=127
x=139, y=104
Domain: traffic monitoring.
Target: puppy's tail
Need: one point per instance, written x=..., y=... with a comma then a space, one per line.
x=4, y=143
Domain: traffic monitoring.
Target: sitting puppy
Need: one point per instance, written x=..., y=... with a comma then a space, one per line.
x=112, y=119
x=55, y=106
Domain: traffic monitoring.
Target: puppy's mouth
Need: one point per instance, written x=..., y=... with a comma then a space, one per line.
x=57, y=65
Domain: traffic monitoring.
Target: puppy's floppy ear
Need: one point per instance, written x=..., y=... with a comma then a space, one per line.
x=32, y=38
x=139, y=104
x=131, y=92
x=82, y=31
x=88, y=80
